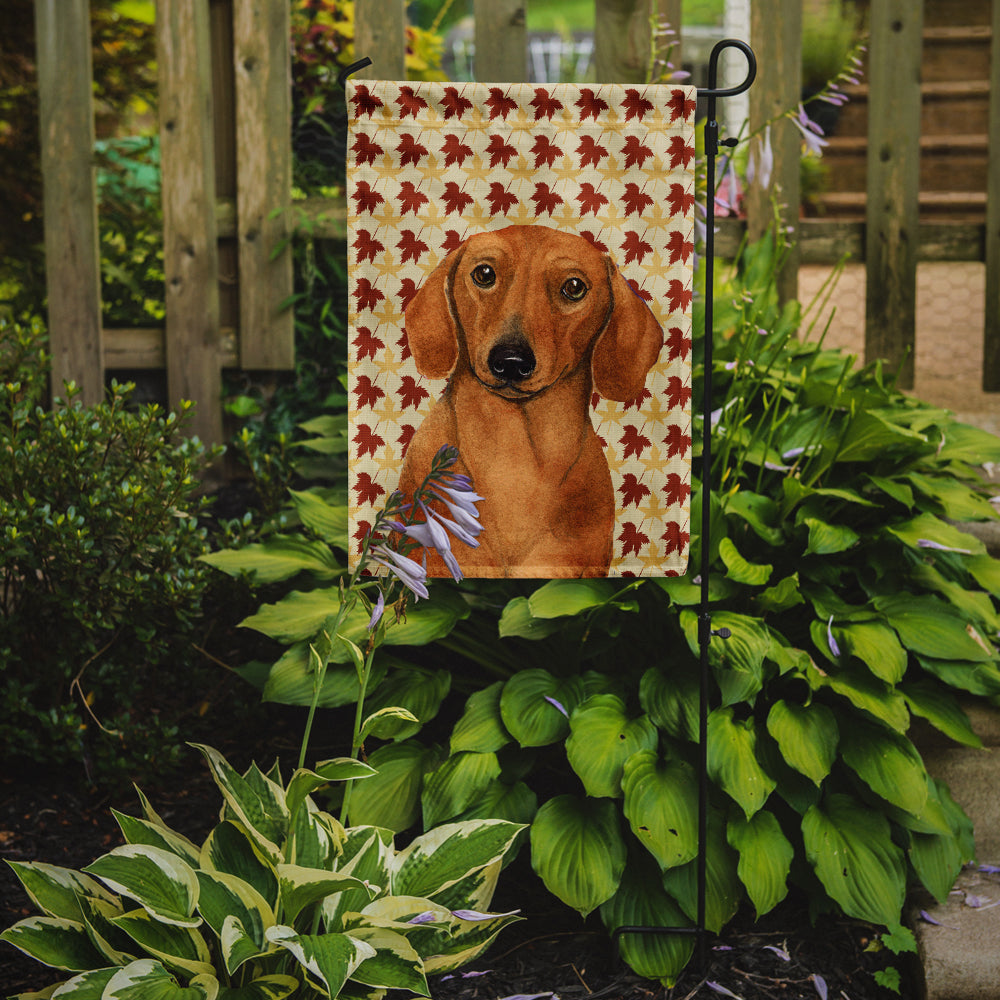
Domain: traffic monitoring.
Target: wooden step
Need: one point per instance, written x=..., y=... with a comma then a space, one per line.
x=956, y=53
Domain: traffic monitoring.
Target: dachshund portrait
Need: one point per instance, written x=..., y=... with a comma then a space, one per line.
x=526, y=323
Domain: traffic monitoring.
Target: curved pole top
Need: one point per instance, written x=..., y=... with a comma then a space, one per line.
x=713, y=69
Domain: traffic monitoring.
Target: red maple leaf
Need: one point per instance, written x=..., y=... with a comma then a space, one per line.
x=677, y=442
x=410, y=393
x=636, y=403
x=545, y=200
x=632, y=539
x=681, y=106
x=679, y=345
x=590, y=152
x=678, y=394
x=680, y=248
x=410, y=150
x=361, y=533
x=367, y=392
x=545, y=151
x=407, y=289
x=367, y=489
x=635, y=247
x=677, y=490
x=680, y=151
x=592, y=239
x=635, y=105
x=412, y=247
x=455, y=200
x=499, y=150
x=454, y=104
x=500, y=105
x=501, y=201
x=636, y=201
x=544, y=104
x=365, y=102
x=632, y=490
x=410, y=199
x=678, y=296
x=680, y=200
x=455, y=151
x=404, y=439
x=635, y=442
x=590, y=104
x=675, y=538
x=590, y=198
x=367, y=440
x=451, y=240
x=367, y=246
x=367, y=343
x=641, y=292
x=365, y=199
x=365, y=150
x=409, y=102
x=367, y=294
x=635, y=152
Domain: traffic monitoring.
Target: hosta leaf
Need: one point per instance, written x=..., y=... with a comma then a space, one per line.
x=481, y=728
x=516, y=803
x=739, y=569
x=870, y=435
x=936, y=704
x=456, y=784
x=304, y=782
x=387, y=723
x=827, y=539
x=937, y=860
x=976, y=605
x=976, y=678
x=758, y=511
x=888, y=763
x=783, y=595
x=958, y=501
x=670, y=698
x=327, y=520
x=601, y=739
x=391, y=798
x=738, y=661
x=932, y=628
x=230, y=849
x=876, y=646
x=395, y=964
x=367, y=853
x=517, y=620
x=661, y=799
x=641, y=901
x=441, y=857
x=87, y=986
x=416, y=689
x=180, y=948
x=280, y=557
x=274, y=987
x=56, y=891
x=559, y=598
x=530, y=706
x=850, y=848
x=765, y=858
x=965, y=443
x=159, y=881
x=986, y=571
x=732, y=760
x=141, y=831
x=465, y=941
x=866, y=692
x=54, y=941
x=301, y=887
x=578, y=851
x=928, y=528
x=292, y=681
x=807, y=736
x=225, y=897
x=330, y=959
x=147, y=979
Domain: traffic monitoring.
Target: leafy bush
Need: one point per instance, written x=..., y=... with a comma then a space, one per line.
x=279, y=899
x=854, y=603
x=99, y=539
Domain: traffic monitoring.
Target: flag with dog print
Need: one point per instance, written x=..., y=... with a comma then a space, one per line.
x=520, y=285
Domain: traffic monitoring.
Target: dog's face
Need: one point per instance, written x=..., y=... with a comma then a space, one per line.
x=526, y=306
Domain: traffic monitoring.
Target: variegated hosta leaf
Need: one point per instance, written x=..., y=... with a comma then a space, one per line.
x=315, y=838
x=56, y=891
x=417, y=690
x=304, y=782
x=86, y=986
x=456, y=784
x=54, y=941
x=147, y=979
x=468, y=939
x=807, y=736
x=578, y=851
x=395, y=964
x=602, y=737
x=765, y=858
x=441, y=857
x=300, y=887
x=535, y=706
x=225, y=897
x=116, y=946
x=481, y=727
x=141, y=831
x=732, y=760
x=275, y=987
x=367, y=853
x=661, y=799
x=230, y=849
x=328, y=959
x=475, y=891
x=177, y=947
x=158, y=880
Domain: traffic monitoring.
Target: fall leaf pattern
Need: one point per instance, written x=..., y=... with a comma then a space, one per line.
x=431, y=164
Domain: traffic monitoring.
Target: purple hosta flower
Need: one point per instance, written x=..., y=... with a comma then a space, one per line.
x=728, y=193
x=780, y=952
x=557, y=704
x=820, y=984
x=475, y=915
x=377, y=612
x=927, y=543
x=461, y=500
x=760, y=164
x=834, y=648
x=409, y=572
x=427, y=917
x=989, y=869
x=812, y=134
x=719, y=988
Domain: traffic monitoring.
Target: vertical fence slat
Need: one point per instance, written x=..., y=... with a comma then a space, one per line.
x=501, y=41
x=893, y=183
x=776, y=35
x=668, y=12
x=621, y=41
x=380, y=34
x=261, y=57
x=72, y=257
x=190, y=253
x=991, y=332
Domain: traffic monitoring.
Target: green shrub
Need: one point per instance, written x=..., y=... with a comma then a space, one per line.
x=99, y=542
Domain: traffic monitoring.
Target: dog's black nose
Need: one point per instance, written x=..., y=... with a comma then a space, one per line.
x=511, y=362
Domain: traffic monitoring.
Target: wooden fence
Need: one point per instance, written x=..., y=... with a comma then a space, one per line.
x=226, y=161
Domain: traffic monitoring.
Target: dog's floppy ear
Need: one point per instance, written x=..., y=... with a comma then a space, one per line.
x=629, y=344
x=431, y=328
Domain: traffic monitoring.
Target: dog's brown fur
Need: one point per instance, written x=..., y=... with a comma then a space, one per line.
x=528, y=444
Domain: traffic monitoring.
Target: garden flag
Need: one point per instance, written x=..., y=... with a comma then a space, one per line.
x=520, y=284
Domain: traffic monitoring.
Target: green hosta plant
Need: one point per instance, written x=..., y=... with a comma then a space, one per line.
x=279, y=900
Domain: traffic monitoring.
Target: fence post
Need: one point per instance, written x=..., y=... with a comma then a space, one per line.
x=501, y=41
x=776, y=34
x=262, y=61
x=190, y=251
x=991, y=332
x=621, y=40
x=72, y=254
x=663, y=13
x=893, y=183
x=380, y=34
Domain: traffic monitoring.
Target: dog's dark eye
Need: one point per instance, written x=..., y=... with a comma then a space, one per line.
x=484, y=276
x=574, y=289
